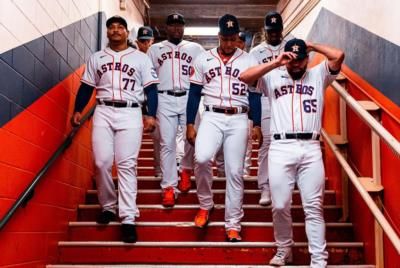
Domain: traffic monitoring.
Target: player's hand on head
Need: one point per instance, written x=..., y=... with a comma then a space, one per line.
x=286, y=57
x=76, y=119
x=149, y=124
x=191, y=134
x=257, y=136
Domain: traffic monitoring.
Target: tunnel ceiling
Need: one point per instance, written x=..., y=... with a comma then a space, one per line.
x=206, y=13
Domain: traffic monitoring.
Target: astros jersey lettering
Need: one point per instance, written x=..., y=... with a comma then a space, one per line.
x=173, y=63
x=296, y=105
x=120, y=76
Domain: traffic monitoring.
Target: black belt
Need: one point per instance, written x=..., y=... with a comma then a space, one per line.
x=297, y=136
x=173, y=93
x=227, y=110
x=118, y=104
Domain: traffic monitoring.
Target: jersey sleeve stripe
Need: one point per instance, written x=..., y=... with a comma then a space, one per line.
x=196, y=82
x=151, y=82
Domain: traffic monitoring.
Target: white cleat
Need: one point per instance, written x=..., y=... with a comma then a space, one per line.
x=282, y=257
x=265, y=199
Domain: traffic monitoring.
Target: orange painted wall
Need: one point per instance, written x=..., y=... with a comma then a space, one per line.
x=28, y=140
x=359, y=155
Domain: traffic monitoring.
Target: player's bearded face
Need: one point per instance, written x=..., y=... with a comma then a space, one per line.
x=175, y=32
x=296, y=68
x=228, y=44
x=117, y=33
x=274, y=37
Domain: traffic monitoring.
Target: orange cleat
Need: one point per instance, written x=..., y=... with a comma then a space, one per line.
x=201, y=219
x=233, y=235
x=168, y=197
x=185, y=184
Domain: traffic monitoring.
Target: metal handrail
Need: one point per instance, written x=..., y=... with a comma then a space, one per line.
x=27, y=194
x=387, y=138
x=385, y=135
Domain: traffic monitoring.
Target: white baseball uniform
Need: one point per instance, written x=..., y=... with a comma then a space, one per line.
x=117, y=131
x=265, y=53
x=173, y=66
x=295, y=153
x=222, y=90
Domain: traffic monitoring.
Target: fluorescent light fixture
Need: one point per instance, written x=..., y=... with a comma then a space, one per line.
x=201, y=30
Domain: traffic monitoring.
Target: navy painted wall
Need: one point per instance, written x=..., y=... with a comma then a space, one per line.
x=376, y=59
x=30, y=70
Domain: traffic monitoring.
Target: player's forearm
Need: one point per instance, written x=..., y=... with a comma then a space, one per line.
x=335, y=56
x=152, y=99
x=193, y=103
x=85, y=91
x=252, y=74
x=255, y=108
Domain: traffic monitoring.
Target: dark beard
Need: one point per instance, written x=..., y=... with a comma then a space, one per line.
x=297, y=75
x=223, y=53
x=274, y=43
x=175, y=41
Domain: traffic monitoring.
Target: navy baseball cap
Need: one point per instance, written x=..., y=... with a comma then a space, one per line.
x=273, y=21
x=145, y=33
x=228, y=25
x=242, y=36
x=118, y=19
x=175, y=18
x=297, y=46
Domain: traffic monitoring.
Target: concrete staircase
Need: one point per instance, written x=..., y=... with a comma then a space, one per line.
x=168, y=238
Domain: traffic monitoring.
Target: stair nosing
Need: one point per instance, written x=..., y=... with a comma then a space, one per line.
x=191, y=224
x=195, y=244
x=191, y=206
x=193, y=191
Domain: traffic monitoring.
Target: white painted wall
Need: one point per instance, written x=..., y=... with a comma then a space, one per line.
x=24, y=20
x=379, y=17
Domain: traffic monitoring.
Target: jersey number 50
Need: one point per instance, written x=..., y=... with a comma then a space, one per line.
x=239, y=89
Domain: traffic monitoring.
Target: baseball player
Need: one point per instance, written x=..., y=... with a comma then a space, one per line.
x=145, y=38
x=122, y=76
x=266, y=52
x=172, y=59
x=297, y=97
x=223, y=124
x=219, y=158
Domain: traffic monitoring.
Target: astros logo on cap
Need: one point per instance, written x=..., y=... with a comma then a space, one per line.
x=273, y=20
x=144, y=31
x=229, y=24
x=295, y=48
x=175, y=17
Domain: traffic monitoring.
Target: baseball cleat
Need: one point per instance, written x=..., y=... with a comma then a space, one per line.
x=233, y=235
x=168, y=197
x=202, y=217
x=185, y=184
x=105, y=217
x=128, y=232
x=265, y=199
x=282, y=257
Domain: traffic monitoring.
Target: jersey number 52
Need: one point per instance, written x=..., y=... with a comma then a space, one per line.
x=239, y=89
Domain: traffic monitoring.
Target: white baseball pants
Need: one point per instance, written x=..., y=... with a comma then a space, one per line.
x=171, y=113
x=301, y=159
x=262, y=174
x=117, y=134
x=231, y=133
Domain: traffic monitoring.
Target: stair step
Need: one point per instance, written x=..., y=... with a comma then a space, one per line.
x=257, y=213
x=148, y=144
x=186, y=231
x=151, y=182
x=150, y=171
x=191, y=266
x=250, y=197
x=194, y=252
x=149, y=161
x=150, y=152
